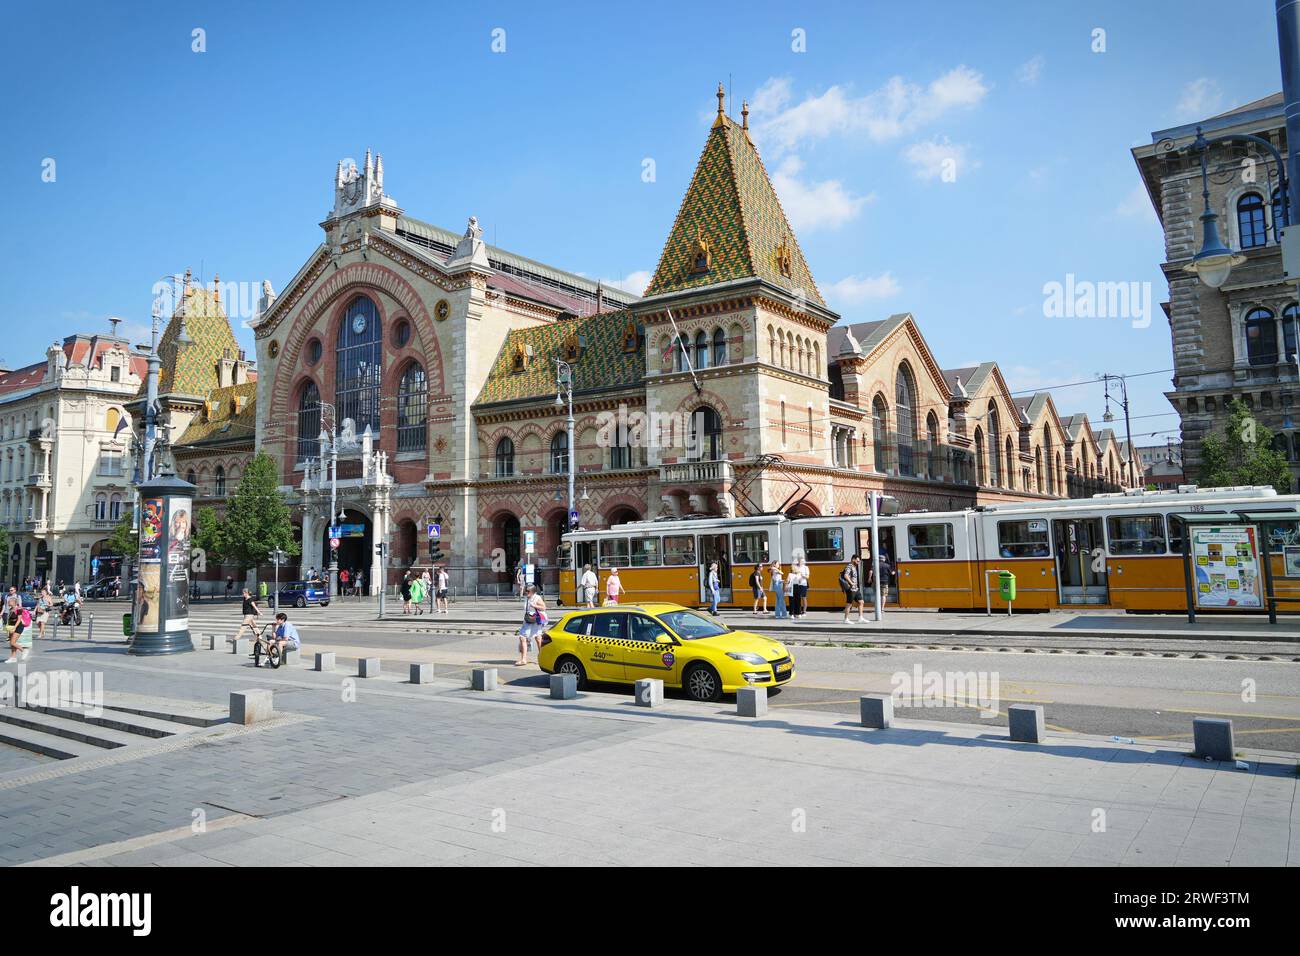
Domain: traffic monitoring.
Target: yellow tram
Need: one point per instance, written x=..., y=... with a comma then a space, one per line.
x=1121, y=551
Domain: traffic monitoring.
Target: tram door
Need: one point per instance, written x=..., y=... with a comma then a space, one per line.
x=1080, y=561
x=713, y=547
x=888, y=562
x=584, y=553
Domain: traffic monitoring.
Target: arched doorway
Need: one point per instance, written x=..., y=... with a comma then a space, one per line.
x=356, y=545
x=507, y=536
x=623, y=515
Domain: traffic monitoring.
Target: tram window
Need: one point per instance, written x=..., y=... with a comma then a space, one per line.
x=929, y=542
x=823, y=544
x=1023, y=539
x=613, y=553
x=646, y=553
x=1136, y=534
x=749, y=547
x=679, y=549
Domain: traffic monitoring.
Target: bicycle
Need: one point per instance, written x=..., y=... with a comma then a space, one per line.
x=267, y=643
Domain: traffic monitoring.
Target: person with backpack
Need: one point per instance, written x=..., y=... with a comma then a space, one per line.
x=851, y=584
x=756, y=585
x=20, y=638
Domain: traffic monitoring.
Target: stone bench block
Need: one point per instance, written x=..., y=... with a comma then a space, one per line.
x=242, y=647
x=564, y=686
x=649, y=692
x=250, y=706
x=484, y=678
x=1026, y=723
x=1212, y=737
x=751, y=702
x=324, y=661
x=289, y=655
x=421, y=673
x=368, y=667
x=876, y=710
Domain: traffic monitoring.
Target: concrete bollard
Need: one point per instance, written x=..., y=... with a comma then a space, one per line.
x=217, y=642
x=1212, y=738
x=324, y=661
x=751, y=702
x=250, y=706
x=288, y=656
x=484, y=678
x=876, y=710
x=421, y=673
x=1026, y=723
x=242, y=646
x=649, y=692
x=368, y=667
x=564, y=686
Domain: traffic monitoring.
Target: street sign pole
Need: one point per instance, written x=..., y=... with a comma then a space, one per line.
x=875, y=555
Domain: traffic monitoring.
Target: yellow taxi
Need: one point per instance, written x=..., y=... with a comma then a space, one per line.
x=681, y=647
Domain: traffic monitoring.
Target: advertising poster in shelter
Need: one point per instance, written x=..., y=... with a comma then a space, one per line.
x=1227, y=568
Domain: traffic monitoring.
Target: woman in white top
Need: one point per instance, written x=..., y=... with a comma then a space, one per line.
x=798, y=588
x=778, y=586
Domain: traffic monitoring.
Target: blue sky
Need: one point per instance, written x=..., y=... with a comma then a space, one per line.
x=223, y=161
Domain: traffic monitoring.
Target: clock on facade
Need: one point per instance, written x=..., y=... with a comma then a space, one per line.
x=358, y=323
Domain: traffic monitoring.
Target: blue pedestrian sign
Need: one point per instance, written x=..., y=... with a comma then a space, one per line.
x=435, y=530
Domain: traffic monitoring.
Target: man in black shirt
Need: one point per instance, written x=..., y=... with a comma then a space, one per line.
x=251, y=614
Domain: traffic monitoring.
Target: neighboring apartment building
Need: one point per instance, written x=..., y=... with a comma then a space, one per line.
x=1237, y=341
x=1163, y=465
x=65, y=476
x=727, y=388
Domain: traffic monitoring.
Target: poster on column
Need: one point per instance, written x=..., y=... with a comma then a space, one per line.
x=147, y=597
x=1226, y=562
x=151, y=528
x=178, y=564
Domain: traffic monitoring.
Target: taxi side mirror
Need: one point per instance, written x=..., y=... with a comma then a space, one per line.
x=662, y=638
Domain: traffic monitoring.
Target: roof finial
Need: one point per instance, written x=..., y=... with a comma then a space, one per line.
x=216, y=287
x=744, y=114
x=722, y=96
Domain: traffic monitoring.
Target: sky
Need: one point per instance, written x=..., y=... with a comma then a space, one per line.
x=946, y=159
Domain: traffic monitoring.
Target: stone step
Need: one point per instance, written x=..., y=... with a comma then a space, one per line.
x=127, y=723
x=41, y=742
x=170, y=715
x=167, y=710
x=77, y=730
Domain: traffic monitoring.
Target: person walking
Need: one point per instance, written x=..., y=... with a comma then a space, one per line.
x=417, y=595
x=715, y=584
x=430, y=591
x=613, y=588
x=778, y=589
x=251, y=613
x=799, y=588
x=44, y=601
x=756, y=585
x=442, y=582
x=405, y=591
x=230, y=587
x=519, y=580
x=343, y=582
x=20, y=638
x=589, y=584
x=358, y=582
x=851, y=583
x=535, y=622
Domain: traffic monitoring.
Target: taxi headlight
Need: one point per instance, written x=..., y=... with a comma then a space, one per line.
x=747, y=658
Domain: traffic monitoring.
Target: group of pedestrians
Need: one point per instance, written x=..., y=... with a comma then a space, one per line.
x=589, y=582
x=415, y=588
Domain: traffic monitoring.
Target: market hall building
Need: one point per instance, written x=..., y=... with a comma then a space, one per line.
x=428, y=361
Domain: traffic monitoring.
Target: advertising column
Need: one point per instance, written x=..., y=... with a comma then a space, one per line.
x=161, y=595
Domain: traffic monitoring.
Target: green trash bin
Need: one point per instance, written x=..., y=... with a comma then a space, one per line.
x=262, y=590
x=127, y=629
x=1007, y=586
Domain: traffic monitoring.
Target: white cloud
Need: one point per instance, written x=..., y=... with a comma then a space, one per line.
x=633, y=282
x=896, y=108
x=935, y=159
x=815, y=205
x=1201, y=98
x=853, y=290
x=1135, y=205
x=1031, y=70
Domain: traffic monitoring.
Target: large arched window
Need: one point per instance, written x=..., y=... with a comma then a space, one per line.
x=308, y=422
x=994, y=453
x=981, y=476
x=1261, y=337
x=101, y=506
x=412, y=406
x=683, y=353
x=880, y=432
x=220, y=482
x=505, y=458
x=360, y=359
x=905, y=415
x=1011, y=464
x=1051, y=476
x=701, y=350
x=719, y=347
x=706, y=434
x=560, y=453
x=932, y=445
x=1250, y=221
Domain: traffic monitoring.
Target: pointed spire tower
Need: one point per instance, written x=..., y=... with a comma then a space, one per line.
x=731, y=225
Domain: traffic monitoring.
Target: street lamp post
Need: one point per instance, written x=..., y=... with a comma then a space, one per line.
x=564, y=388
x=1108, y=377
x=330, y=437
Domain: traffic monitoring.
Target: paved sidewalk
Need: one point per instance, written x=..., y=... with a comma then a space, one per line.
x=437, y=774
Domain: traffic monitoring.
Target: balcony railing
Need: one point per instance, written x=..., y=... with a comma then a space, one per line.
x=696, y=471
x=39, y=479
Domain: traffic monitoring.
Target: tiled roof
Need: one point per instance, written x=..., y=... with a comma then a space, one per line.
x=232, y=416
x=731, y=204
x=966, y=376
x=867, y=334
x=194, y=369
x=21, y=378
x=603, y=363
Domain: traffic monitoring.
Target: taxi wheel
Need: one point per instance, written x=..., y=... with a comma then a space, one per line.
x=703, y=684
x=571, y=665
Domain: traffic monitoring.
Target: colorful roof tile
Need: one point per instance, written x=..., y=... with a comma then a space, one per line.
x=731, y=206
x=229, y=415
x=604, y=361
x=194, y=370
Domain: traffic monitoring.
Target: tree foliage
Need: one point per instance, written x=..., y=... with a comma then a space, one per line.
x=123, y=539
x=1243, y=454
x=257, y=519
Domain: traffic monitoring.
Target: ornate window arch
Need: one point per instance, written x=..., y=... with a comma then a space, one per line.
x=706, y=434
x=560, y=453
x=880, y=432
x=505, y=458
x=905, y=418
x=719, y=346
x=360, y=355
x=1252, y=229
x=1260, y=330
x=701, y=349
x=995, y=449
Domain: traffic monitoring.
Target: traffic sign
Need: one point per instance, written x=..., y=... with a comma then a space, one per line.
x=435, y=530
x=528, y=541
x=334, y=543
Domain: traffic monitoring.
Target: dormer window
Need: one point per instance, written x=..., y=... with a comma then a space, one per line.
x=572, y=348
x=784, y=261
x=701, y=253
x=518, y=361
